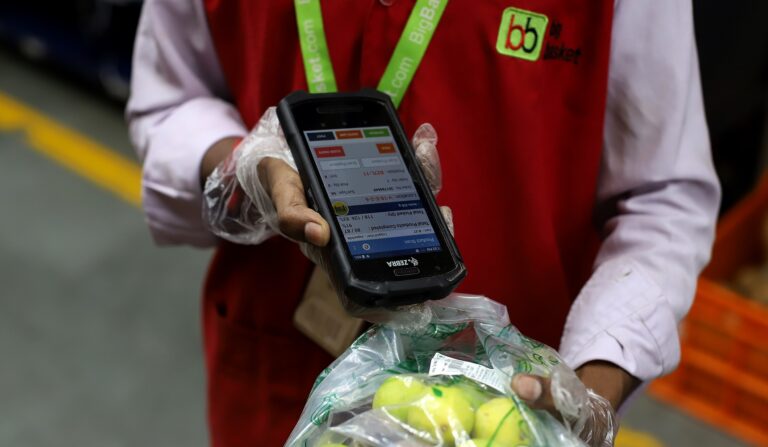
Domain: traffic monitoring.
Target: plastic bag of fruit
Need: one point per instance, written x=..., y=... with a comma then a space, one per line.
x=445, y=383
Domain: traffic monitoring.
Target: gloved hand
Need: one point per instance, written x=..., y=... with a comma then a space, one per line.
x=256, y=192
x=584, y=412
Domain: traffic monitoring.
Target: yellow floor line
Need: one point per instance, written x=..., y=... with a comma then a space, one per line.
x=631, y=438
x=73, y=150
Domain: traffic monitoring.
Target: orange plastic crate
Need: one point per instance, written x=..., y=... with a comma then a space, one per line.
x=723, y=374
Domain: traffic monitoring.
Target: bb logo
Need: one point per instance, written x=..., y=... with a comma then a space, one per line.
x=521, y=34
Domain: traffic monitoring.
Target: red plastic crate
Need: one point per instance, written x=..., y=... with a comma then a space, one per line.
x=723, y=374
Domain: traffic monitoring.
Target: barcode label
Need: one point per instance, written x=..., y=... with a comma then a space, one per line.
x=446, y=366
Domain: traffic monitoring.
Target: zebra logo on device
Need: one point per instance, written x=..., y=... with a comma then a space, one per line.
x=403, y=262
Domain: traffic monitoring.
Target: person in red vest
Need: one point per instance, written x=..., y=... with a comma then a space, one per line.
x=576, y=162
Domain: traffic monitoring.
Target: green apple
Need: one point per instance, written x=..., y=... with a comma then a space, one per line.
x=329, y=439
x=481, y=443
x=442, y=413
x=499, y=420
x=473, y=392
x=397, y=393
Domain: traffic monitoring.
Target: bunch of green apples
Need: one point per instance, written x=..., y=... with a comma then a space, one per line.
x=445, y=414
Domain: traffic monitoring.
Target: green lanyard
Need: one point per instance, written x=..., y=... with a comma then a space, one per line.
x=402, y=66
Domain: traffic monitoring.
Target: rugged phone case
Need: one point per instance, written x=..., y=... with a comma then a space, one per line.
x=367, y=293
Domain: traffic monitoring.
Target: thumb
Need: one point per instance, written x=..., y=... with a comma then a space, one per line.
x=448, y=218
x=424, y=144
x=535, y=391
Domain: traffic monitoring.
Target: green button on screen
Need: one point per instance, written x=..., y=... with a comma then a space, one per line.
x=373, y=133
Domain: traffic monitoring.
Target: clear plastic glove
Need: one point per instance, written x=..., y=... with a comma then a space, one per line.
x=256, y=193
x=584, y=412
x=236, y=206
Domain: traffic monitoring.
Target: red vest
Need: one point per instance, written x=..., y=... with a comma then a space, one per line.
x=520, y=145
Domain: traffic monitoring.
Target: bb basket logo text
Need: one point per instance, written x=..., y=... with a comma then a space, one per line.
x=521, y=34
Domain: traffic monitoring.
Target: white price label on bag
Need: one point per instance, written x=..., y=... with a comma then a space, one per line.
x=442, y=365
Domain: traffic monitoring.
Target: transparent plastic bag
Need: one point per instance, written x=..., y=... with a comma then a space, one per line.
x=446, y=383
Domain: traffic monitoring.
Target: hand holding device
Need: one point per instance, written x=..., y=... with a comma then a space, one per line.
x=257, y=187
x=389, y=244
x=256, y=193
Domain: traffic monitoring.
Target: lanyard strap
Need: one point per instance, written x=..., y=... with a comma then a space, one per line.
x=402, y=65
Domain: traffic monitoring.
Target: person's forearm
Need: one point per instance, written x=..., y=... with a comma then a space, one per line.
x=609, y=381
x=215, y=155
x=177, y=109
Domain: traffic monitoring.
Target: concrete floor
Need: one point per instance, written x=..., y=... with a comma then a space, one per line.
x=99, y=330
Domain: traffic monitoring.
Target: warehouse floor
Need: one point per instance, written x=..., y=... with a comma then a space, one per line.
x=99, y=330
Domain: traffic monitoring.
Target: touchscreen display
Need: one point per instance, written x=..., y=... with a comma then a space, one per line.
x=372, y=192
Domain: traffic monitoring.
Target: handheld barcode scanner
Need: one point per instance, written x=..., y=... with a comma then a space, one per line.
x=389, y=243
